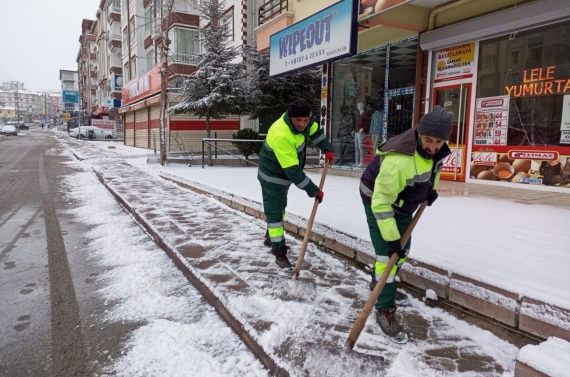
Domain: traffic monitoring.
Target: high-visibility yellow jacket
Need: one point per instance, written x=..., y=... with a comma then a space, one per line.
x=283, y=155
x=399, y=179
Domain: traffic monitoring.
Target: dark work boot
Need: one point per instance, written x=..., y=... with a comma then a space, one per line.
x=386, y=319
x=267, y=241
x=281, y=258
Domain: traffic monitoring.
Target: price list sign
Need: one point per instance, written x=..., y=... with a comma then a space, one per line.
x=491, y=120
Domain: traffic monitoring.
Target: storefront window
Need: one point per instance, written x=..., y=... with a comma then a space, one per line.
x=533, y=69
x=522, y=113
x=358, y=87
x=359, y=121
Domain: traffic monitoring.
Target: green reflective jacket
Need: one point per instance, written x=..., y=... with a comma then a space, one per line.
x=398, y=180
x=283, y=155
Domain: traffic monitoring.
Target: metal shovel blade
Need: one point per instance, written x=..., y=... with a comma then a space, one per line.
x=323, y=361
x=291, y=289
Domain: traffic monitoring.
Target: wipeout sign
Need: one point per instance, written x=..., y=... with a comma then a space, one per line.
x=328, y=35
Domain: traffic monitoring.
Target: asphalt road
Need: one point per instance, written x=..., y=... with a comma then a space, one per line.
x=46, y=300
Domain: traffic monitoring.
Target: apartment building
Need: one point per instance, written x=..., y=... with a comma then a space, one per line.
x=86, y=67
x=69, y=91
x=25, y=104
x=108, y=51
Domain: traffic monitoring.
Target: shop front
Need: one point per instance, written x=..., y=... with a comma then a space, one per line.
x=373, y=96
x=510, y=95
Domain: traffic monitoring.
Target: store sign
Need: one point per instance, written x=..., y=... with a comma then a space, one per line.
x=452, y=162
x=371, y=7
x=455, y=63
x=534, y=155
x=105, y=124
x=142, y=87
x=546, y=81
x=117, y=82
x=491, y=120
x=485, y=158
x=70, y=96
x=328, y=35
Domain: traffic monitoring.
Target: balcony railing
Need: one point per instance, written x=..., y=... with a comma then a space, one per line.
x=185, y=58
x=272, y=8
x=115, y=36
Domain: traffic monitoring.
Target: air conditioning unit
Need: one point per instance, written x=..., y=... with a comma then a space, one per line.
x=108, y=88
x=156, y=36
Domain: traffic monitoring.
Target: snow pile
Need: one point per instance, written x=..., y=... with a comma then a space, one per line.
x=547, y=313
x=430, y=295
x=551, y=357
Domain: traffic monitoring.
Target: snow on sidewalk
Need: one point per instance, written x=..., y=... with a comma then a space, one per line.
x=224, y=248
x=521, y=248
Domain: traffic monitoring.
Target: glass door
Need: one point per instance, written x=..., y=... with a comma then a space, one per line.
x=456, y=99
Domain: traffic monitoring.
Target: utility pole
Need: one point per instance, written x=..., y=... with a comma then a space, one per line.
x=17, y=102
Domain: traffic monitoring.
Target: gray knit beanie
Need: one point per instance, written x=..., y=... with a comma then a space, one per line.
x=437, y=123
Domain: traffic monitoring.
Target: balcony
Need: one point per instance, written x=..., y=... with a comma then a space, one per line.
x=271, y=9
x=185, y=58
x=114, y=10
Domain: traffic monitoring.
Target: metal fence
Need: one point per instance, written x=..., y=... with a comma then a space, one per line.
x=186, y=147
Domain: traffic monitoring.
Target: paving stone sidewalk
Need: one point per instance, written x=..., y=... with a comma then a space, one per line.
x=222, y=248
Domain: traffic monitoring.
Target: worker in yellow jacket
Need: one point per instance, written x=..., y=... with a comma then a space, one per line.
x=281, y=163
x=404, y=173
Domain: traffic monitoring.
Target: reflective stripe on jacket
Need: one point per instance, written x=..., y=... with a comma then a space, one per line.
x=398, y=180
x=283, y=154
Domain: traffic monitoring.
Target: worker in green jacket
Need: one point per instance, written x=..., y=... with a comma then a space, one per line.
x=281, y=163
x=404, y=173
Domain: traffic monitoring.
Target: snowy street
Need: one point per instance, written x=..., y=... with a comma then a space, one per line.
x=223, y=247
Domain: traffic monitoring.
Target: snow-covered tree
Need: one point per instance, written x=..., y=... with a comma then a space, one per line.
x=270, y=97
x=217, y=88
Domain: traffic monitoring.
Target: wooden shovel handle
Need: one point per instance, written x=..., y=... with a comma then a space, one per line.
x=310, y=225
x=359, y=324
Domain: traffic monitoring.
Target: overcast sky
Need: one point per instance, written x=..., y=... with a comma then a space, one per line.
x=40, y=37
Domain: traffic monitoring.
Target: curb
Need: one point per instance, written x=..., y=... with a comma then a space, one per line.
x=507, y=309
x=206, y=291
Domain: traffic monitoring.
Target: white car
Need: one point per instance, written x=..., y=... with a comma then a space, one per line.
x=8, y=130
x=90, y=132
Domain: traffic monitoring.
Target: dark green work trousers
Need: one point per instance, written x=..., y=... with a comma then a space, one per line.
x=274, y=204
x=388, y=295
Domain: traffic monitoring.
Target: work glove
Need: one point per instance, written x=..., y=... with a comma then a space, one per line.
x=320, y=196
x=432, y=197
x=329, y=157
x=394, y=247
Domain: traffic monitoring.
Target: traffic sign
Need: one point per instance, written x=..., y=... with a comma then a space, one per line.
x=66, y=116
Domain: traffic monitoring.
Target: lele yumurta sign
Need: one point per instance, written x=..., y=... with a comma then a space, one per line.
x=328, y=35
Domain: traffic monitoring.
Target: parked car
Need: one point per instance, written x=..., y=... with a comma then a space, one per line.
x=8, y=130
x=90, y=132
x=23, y=127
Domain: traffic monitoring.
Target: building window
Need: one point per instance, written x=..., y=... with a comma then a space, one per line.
x=148, y=19
x=227, y=21
x=149, y=59
x=125, y=36
x=132, y=30
x=134, y=66
x=126, y=75
x=186, y=43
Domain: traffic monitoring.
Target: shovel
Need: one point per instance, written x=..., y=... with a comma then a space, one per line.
x=327, y=361
x=293, y=289
x=310, y=226
x=359, y=324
